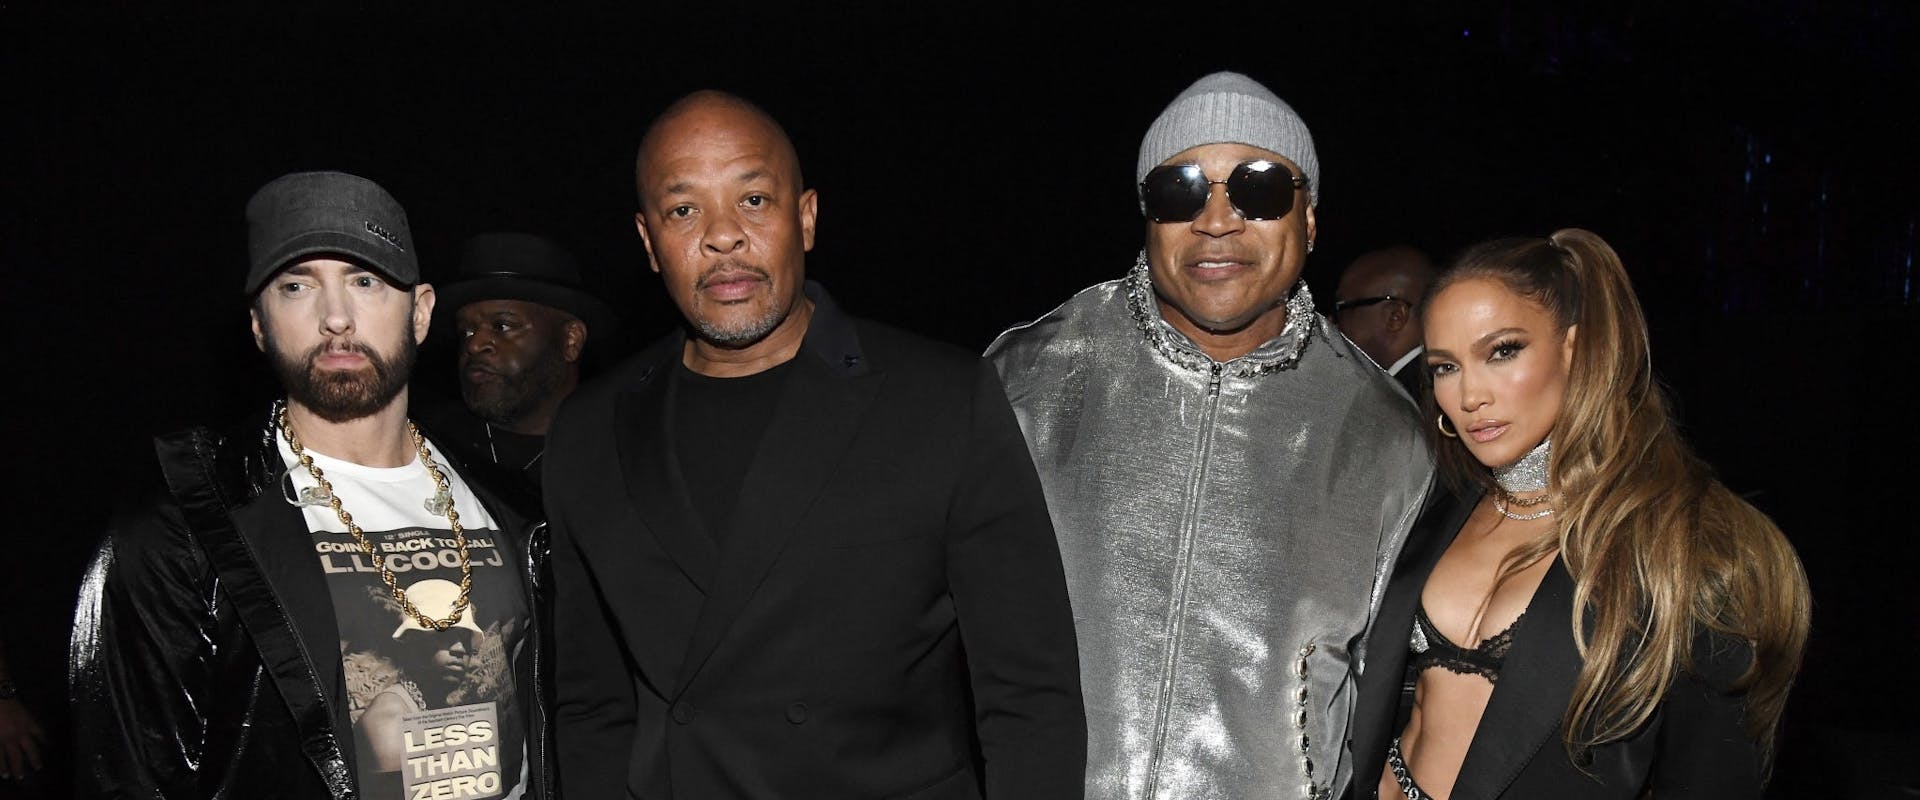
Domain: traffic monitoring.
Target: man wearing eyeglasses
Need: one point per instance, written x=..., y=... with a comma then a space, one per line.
x=1230, y=479
x=1377, y=305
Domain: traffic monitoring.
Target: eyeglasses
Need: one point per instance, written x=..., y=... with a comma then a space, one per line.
x=1363, y=302
x=1256, y=189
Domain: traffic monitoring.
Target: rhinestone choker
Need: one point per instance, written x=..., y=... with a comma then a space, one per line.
x=1529, y=474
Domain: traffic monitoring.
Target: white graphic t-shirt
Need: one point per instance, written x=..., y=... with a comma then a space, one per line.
x=435, y=714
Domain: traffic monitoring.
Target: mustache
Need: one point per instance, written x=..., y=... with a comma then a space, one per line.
x=346, y=346
x=707, y=277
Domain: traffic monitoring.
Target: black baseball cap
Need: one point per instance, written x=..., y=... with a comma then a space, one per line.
x=308, y=214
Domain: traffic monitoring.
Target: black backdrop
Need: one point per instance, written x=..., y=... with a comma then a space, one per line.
x=1752, y=162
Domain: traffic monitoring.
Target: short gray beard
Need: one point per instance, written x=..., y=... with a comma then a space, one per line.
x=752, y=331
x=743, y=335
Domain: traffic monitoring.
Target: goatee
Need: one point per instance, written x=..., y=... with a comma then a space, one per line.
x=343, y=395
x=745, y=333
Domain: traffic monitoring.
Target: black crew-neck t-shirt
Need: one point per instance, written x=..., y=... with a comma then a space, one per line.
x=719, y=423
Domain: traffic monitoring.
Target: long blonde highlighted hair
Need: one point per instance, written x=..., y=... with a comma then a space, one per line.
x=1659, y=550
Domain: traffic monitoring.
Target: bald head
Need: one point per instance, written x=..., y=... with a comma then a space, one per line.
x=1385, y=329
x=706, y=113
x=727, y=224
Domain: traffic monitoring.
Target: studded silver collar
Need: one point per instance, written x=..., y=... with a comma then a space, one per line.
x=1529, y=473
x=1280, y=352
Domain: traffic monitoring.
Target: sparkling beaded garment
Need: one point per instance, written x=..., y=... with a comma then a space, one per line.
x=1226, y=529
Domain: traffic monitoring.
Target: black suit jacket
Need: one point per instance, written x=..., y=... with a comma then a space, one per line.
x=1413, y=378
x=888, y=617
x=1694, y=747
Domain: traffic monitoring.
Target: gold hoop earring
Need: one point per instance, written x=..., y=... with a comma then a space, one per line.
x=1441, y=423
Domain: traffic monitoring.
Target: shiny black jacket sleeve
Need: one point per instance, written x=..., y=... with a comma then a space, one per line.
x=142, y=657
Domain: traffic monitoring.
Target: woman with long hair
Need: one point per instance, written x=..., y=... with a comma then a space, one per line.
x=1594, y=615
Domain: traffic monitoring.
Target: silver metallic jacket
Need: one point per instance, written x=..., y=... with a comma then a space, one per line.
x=1227, y=530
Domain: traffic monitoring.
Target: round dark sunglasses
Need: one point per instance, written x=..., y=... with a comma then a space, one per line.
x=1256, y=189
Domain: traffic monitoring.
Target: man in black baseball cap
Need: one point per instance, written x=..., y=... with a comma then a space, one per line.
x=234, y=634
x=312, y=214
x=523, y=317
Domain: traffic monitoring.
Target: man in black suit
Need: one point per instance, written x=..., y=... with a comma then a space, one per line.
x=1377, y=305
x=796, y=554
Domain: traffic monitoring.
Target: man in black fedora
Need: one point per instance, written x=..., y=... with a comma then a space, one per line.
x=522, y=317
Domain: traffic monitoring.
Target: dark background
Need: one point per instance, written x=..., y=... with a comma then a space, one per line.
x=1753, y=163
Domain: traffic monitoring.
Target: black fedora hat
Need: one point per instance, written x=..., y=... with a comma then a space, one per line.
x=522, y=266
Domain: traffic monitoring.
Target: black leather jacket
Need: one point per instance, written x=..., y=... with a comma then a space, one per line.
x=205, y=656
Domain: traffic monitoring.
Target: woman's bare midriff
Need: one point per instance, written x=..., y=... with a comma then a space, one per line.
x=1461, y=599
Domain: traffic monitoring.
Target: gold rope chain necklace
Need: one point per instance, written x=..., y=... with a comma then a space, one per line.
x=386, y=575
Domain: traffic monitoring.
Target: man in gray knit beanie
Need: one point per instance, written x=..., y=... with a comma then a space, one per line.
x=1231, y=107
x=1225, y=520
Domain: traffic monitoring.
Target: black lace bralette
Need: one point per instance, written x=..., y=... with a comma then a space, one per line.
x=1431, y=648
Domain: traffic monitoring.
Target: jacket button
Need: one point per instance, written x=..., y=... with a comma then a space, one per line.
x=682, y=713
x=797, y=713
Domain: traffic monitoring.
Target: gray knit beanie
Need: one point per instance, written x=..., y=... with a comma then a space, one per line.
x=1230, y=107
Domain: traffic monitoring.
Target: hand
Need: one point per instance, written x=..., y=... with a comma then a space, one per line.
x=20, y=740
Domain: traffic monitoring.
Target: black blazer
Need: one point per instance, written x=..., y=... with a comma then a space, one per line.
x=1413, y=378
x=888, y=618
x=1695, y=746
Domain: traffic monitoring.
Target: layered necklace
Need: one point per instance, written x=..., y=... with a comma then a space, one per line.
x=440, y=503
x=1529, y=474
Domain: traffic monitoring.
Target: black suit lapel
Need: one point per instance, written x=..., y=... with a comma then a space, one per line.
x=261, y=550
x=654, y=482
x=1412, y=378
x=819, y=414
x=1536, y=682
x=282, y=547
x=1379, y=686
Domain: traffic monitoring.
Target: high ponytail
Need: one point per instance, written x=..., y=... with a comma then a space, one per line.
x=1659, y=550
